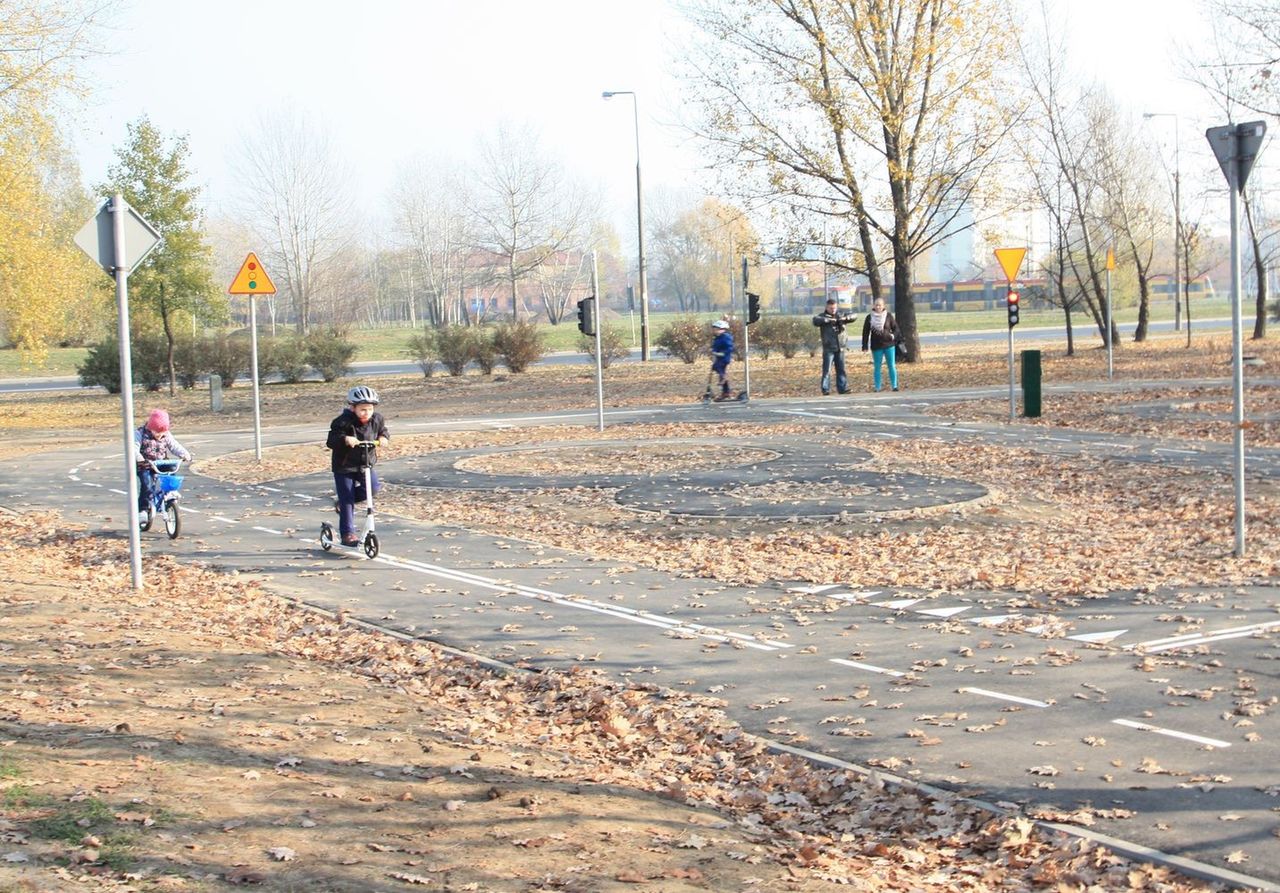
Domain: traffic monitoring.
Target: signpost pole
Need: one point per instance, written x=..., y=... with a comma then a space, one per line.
x=253, y=342
x=1013, y=400
x=1237, y=360
x=746, y=334
x=121, y=274
x=1236, y=147
x=1110, y=367
x=599, y=318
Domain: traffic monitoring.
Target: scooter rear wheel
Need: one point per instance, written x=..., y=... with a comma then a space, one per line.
x=326, y=537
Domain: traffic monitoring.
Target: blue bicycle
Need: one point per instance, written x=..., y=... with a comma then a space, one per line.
x=163, y=498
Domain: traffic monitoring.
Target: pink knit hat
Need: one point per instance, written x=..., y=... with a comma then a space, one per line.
x=158, y=422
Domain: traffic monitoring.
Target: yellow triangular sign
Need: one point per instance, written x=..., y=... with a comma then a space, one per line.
x=252, y=279
x=1010, y=261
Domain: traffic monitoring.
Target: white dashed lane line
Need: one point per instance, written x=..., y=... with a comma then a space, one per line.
x=1185, y=736
x=870, y=668
x=987, y=693
x=1189, y=640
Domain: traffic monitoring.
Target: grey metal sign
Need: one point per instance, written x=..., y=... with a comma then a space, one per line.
x=97, y=239
x=1237, y=144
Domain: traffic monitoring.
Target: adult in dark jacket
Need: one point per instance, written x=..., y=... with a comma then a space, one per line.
x=358, y=423
x=880, y=331
x=831, y=323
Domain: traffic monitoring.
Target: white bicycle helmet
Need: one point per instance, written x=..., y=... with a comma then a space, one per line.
x=362, y=394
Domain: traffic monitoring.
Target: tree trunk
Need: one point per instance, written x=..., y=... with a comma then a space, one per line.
x=1260, y=274
x=1071, y=335
x=1144, y=306
x=168, y=337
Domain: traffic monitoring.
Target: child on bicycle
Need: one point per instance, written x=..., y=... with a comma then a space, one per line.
x=153, y=442
x=358, y=423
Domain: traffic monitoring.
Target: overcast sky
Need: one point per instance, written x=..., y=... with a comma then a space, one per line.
x=396, y=77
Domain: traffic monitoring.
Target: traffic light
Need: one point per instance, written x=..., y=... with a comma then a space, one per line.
x=587, y=315
x=753, y=308
x=1012, y=301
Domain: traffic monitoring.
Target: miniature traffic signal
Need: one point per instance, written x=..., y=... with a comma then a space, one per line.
x=1012, y=302
x=753, y=308
x=587, y=315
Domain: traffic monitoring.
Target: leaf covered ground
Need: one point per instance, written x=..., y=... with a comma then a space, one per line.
x=206, y=735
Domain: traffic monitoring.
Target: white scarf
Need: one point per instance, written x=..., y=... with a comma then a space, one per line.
x=878, y=318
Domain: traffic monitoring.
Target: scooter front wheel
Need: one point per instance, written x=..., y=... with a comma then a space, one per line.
x=326, y=537
x=371, y=545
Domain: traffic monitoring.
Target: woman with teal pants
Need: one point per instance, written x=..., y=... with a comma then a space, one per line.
x=880, y=333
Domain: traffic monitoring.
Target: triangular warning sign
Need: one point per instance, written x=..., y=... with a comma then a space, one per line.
x=1010, y=261
x=252, y=279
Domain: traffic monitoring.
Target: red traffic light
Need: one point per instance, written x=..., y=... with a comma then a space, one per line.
x=1013, y=297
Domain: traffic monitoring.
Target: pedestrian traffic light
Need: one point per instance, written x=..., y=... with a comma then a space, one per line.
x=1012, y=302
x=587, y=315
x=753, y=308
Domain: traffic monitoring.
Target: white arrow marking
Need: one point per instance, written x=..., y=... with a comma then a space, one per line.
x=1099, y=638
x=944, y=612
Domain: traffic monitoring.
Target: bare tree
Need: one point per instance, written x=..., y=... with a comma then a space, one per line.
x=802, y=100
x=294, y=181
x=1067, y=124
x=431, y=205
x=527, y=209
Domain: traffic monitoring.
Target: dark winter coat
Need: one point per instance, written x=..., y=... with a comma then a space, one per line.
x=886, y=337
x=722, y=350
x=351, y=459
x=831, y=327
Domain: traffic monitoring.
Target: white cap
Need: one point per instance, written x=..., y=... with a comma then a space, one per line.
x=719, y=324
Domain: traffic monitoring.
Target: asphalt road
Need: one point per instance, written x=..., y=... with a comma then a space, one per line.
x=1002, y=696
x=1023, y=335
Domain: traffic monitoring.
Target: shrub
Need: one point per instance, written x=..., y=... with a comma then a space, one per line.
x=483, y=349
x=687, y=338
x=226, y=356
x=613, y=345
x=519, y=343
x=454, y=346
x=329, y=352
x=785, y=334
x=188, y=362
x=149, y=359
x=101, y=368
x=424, y=350
x=286, y=357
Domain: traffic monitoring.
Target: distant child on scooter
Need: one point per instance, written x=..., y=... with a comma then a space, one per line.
x=721, y=354
x=152, y=442
x=358, y=423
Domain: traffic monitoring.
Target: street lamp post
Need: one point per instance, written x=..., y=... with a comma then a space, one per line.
x=1177, y=220
x=644, y=282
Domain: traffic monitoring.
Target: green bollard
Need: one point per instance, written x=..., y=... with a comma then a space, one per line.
x=1031, y=384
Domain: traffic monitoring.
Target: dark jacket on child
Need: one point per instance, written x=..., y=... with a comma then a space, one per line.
x=351, y=459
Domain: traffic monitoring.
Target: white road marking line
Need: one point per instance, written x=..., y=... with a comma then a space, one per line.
x=994, y=620
x=886, y=434
x=91, y=484
x=617, y=611
x=1099, y=638
x=530, y=418
x=1202, y=641
x=305, y=496
x=269, y=530
x=813, y=590
x=1153, y=645
x=898, y=604
x=944, y=612
x=269, y=489
x=987, y=693
x=872, y=668
x=1185, y=736
x=1172, y=450
x=224, y=518
x=114, y=490
x=187, y=508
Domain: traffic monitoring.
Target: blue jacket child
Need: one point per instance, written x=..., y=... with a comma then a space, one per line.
x=721, y=355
